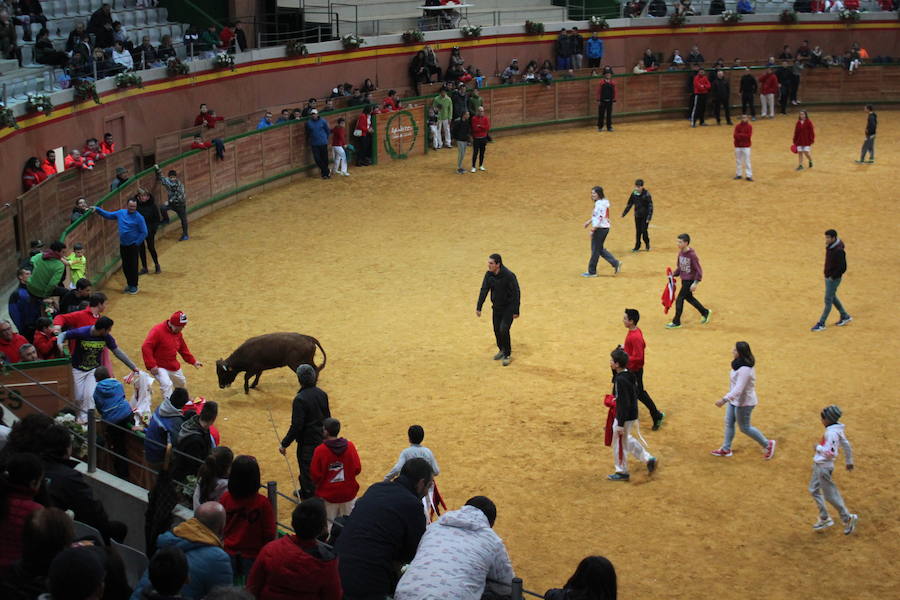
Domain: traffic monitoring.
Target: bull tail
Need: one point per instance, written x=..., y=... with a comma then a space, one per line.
x=324, y=357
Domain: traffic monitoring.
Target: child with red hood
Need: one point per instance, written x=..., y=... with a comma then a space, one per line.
x=335, y=465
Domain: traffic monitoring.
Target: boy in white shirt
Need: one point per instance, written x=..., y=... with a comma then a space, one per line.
x=432, y=499
x=821, y=486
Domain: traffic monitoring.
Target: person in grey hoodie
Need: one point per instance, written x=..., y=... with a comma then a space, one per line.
x=163, y=427
x=458, y=557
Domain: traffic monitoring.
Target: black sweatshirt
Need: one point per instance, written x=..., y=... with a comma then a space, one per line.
x=748, y=84
x=643, y=205
x=625, y=391
x=504, y=288
x=721, y=89
x=308, y=411
x=871, y=124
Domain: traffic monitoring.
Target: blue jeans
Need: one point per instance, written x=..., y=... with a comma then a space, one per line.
x=742, y=414
x=831, y=286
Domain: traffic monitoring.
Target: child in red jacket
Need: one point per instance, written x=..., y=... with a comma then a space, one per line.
x=804, y=137
x=335, y=465
x=44, y=340
x=249, y=521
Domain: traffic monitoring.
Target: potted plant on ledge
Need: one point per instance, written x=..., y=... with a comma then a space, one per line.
x=473, y=31
x=352, y=41
x=598, y=24
x=412, y=36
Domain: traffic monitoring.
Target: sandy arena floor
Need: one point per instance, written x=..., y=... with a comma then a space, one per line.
x=384, y=268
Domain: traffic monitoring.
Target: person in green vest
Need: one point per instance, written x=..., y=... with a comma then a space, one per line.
x=445, y=110
x=49, y=272
x=475, y=100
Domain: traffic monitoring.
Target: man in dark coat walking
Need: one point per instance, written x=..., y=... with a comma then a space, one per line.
x=505, y=298
x=642, y=202
x=308, y=412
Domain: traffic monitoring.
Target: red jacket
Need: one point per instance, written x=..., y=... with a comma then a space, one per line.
x=363, y=123
x=11, y=348
x=201, y=145
x=611, y=84
x=634, y=348
x=21, y=505
x=742, y=133
x=32, y=177
x=78, y=163
x=46, y=345
x=162, y=346
x=390, y=103
x=339, y=136
x=249, y=524
x=226, y=35
x=804, y=133
x=48, y=167
x=291, y=569
x=79, y=318
x=701, y=84
x=480, y=126
x=851, y=4
x=768, y=84
x=208, y=120
x=92, y=155
x=107, y=148
x=334, y=467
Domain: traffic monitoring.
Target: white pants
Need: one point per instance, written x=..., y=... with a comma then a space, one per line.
x=624, y=443
x=84, y=392
x=444, y=125
x=742, y=156
x=340, y=159
x=340, y=509
x=435, y=135
x=767, y=100
x=166, y=385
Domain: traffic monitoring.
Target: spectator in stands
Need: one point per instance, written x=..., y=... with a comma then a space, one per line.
x=240, y=37
x=92, y=151
x=334, y=468
x=75, y=36
x=81, y=208
x=200, y=538
x=695, y=56
x=109, y=398
x=120, y=34
x=339, y=147
x=48, y=272
x=212, y=477
x=46, y=532
x=166, y=50
x=676, y=61
x=204, y=118
x=657, y=8
x=46, y=54
x=145, y=55
x=317, y=132
x=209, y=42
x=455, y=61
x=745, y=7
x=77, y=264
x=651, y=63
x=120, y=178
x=309, y=107
x=392, y=102
x=72, y=299
x=67, y=487
x=510, y=72
x=163, y=428
x=594, y=578
x=9, y=48
x=48, y=165
x=104, y=66
x=683, y=7
x=10, y=342
x=28, y=353
x=594, y=48
x=217, y=143
x=284, y=116
x=194, y=440
x=132, y=232
x=383, y=533
x=177, y=201
x=167, y=575
x=266, y=121
x=24, y=309
x=716, y=7
x=101, y=26
x=367, y=86
x=44, y=340
x=227, y=38
x=309, y=409
x=363, y=134
x=431, y=64
x=25, y=436
x=19, y=483
x=418, y=70
x=32, y=173
x=250, y=521
x=26, y=13
x=562, y=50
x=633, y=9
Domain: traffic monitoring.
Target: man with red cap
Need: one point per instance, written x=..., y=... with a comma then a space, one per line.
x=160, y=350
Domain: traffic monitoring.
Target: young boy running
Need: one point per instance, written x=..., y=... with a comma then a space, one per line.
x=691, y=274
x=821, y=486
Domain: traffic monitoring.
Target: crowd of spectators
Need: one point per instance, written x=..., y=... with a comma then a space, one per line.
x=659, y=8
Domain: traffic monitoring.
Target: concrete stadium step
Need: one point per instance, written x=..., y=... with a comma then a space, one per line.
x=8, y=66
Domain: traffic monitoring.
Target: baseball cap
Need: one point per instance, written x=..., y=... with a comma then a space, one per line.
x=314, y=112
x=178, y=319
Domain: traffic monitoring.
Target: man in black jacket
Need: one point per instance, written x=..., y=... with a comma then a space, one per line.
x=835, y=267
x=563, y=50
x=869, y=144
x=748, y=93
x=308, y=412
x=623, y=443
x=505, y=298
x=721, y=93
x=194, y=440
x=642, y=202
x=786, y=78
x=383, y=532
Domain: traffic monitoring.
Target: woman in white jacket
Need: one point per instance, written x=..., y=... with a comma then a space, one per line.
x=741, y=400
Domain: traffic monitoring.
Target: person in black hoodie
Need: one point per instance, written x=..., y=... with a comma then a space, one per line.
x=623, y=443
x=869, y=144
x=147, y=207
x=194, y=442
x=168, y=573
x=748, y=93
x=505, y=299
x=721, y=93
x=383, y=533
x=308, y=412
x=594, y=579
x=786, y=78
x=461, y=130
x=642, y=202
x=835, y=267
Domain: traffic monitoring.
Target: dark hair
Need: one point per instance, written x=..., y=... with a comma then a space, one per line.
x=101, y=372
x=598, y=190
x=596, y=577
x=684, y=237
x=496, y=258
x=633, y=315
x=43, y=322
x=83, y=283
x=103, y=323
x=96, y=299
x=56, y=441
x=78, y=246
x=216, y=466
x=172, y=173
x=639, y=182
x=168, y=571
x=21, y=470
x=416, y=434
x=308, y=519
x=485, y=505
x=743, y=350
x=245, y=478
x=831, y=233
x=48, y=152
x=620, y=357
x=332, y=426
x=870, y=107
x=179, y=397
x=210, y=411
x=417, y=469
x=47, y=532
x=26, y=435
x=57, y=246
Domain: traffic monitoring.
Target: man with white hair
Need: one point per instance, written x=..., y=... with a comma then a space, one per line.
x=161, y=349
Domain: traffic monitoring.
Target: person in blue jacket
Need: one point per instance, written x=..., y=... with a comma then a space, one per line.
x=109, y=399
x=163, y=428
x=132, y=232
x=317, y=133
x=594, y=48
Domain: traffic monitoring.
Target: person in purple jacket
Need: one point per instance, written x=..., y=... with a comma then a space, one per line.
x=691, y=274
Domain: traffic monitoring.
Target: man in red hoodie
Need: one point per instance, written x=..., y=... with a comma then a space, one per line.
x=701, y=91
x=691, y=274
x=768, y=87
x=164, y=342
x=334, y=467
x=634, y=348
x=743, y=131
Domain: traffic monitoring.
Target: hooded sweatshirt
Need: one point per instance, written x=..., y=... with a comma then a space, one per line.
x=334, y=467
x=109, y=397
x=293, y=569
x=162, y=346
x=208, y=564
x=455, y=558
x=163, y=428
x=47, y=273
x=829, y=446
x=835, y=260
x=688, y=266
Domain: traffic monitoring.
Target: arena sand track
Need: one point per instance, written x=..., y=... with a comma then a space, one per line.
x=384, y=268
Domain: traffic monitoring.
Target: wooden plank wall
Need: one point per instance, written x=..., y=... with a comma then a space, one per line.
x=53, y=375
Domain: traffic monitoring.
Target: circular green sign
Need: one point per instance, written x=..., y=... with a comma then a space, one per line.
x=400, y=134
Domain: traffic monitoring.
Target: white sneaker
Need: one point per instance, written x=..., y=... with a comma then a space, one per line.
x=823, y=524
x=850, y=524
x=481, y=168
x=473, y=170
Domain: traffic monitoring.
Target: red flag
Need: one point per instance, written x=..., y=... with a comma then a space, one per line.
x=668, y=295
x=610, y=401
x=436, y=503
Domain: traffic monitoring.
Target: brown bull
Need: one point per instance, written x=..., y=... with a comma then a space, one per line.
x=268, y=351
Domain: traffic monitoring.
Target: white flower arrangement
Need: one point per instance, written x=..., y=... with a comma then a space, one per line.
x=223, y=60
x=472, y=31
x=730, y=16
x=40, y=103
x=352, y=41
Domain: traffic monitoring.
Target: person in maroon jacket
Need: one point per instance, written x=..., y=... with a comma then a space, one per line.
x=743, y=132
x=768, y=87
x=835, y=267
x=804, y=137
x=250, y=521
x=334, y=467
x=481, y=127
x=21, y=480
x=701, y=91
x=606, y=97
x=691, y=274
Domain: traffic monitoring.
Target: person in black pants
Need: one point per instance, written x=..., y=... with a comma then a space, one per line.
x=147, y=207
x=309, y=410
x=642, y=201
x=748, y=93
x=505, y=298
x=691, y=273
x=721, y=93
x=786, y=78
x=606, y=97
